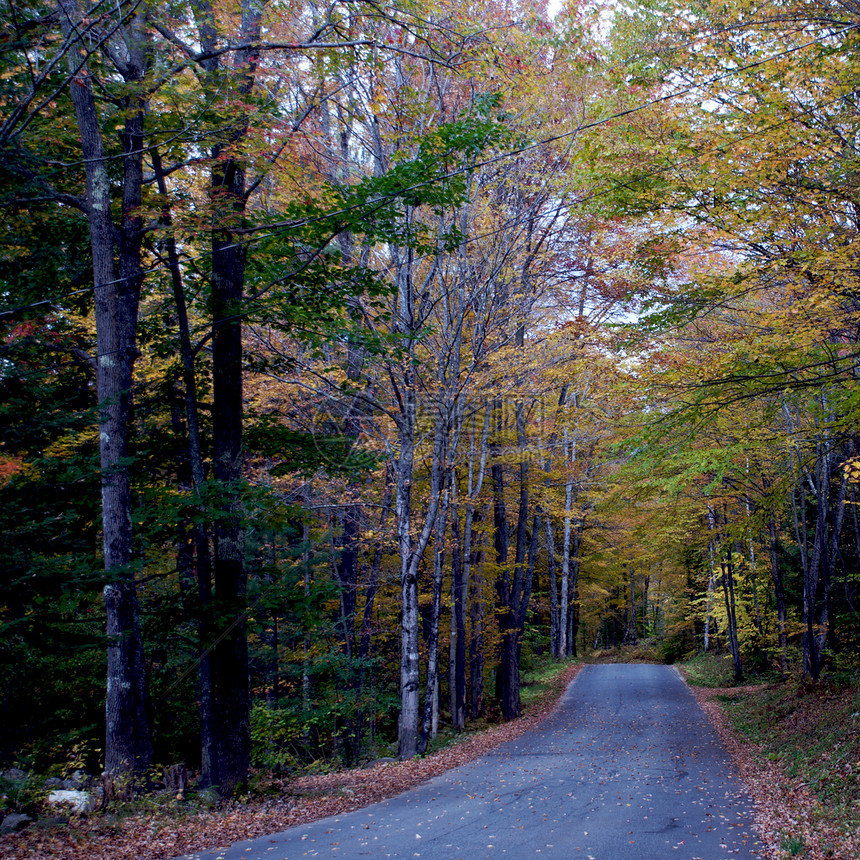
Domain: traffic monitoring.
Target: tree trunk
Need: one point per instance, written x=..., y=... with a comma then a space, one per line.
x=818, y=561
x=128, y=746
x=204, y=620
x=409, y=654
x=779, y=595
x=431, y=695
x=709, y=599
x=513, y=596
x=476, y=622
x=227, y=197
x=554, y=614
x=630, y=633
x=457, y=655
x=410, y=557
x=564, y=599
x=728, y=583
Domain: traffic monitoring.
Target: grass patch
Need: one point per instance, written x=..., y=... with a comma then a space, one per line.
x=709, y=670
x=538, y=680
x=792, y=845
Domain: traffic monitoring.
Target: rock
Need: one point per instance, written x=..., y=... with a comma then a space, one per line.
x=14, y=774
x=383, y=760
x=77, y=801
x=15, y=821
x=75, y=782
x=208, y=797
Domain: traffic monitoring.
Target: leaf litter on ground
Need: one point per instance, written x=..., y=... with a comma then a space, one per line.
x=159, y=835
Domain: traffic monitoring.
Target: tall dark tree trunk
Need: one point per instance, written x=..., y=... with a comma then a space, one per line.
x=466, y=576
x=728, y=581
x=818, y=563
x=630, y=637
x=347, y=575
x=227, y=197
x=501, y=545
x=230, y=653
x=512, y=590
x=573, y=619
x=366, y=634
x=128, y=745
x=458, y=622
x=430, y=695
x=201, y=535
x=555, y=636
x=779, y=595
x=476, y=622
x=828, y=619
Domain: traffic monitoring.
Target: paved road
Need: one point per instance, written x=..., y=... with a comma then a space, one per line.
x=627, y=768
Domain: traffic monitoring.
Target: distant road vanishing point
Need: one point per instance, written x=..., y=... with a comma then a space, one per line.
x=627, y=768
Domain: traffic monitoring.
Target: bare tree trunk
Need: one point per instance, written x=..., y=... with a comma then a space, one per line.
x=554, y=615
x=500, y=537
x=228, y=199
x=728, y=583
x=779, y=594
x=431, y=692
x=410, y=557
x=573, y=618
x=566, y=646
x=476, y=620
x=729, y=594
x=756, y=607
x=709, y=599
x=128, y=745
x=457, y=643
x=462, y=581
x=630, y=632
x=828, y=617
x=205, y=625
x=818, y=562
x=409, y=654
x=513, y=596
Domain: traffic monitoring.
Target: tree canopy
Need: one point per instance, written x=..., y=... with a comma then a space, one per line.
x=355, y=356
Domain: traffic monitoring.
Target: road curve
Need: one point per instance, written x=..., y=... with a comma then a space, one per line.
x=627, y=768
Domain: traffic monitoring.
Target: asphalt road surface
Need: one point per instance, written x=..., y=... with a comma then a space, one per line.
x=627, y=767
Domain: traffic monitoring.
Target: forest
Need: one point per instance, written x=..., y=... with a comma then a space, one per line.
x=357, y=356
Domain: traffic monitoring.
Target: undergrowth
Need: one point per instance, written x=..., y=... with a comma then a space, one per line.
x=646, y=652
x=538, y=680
x=813, y=733
x=709, y=670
